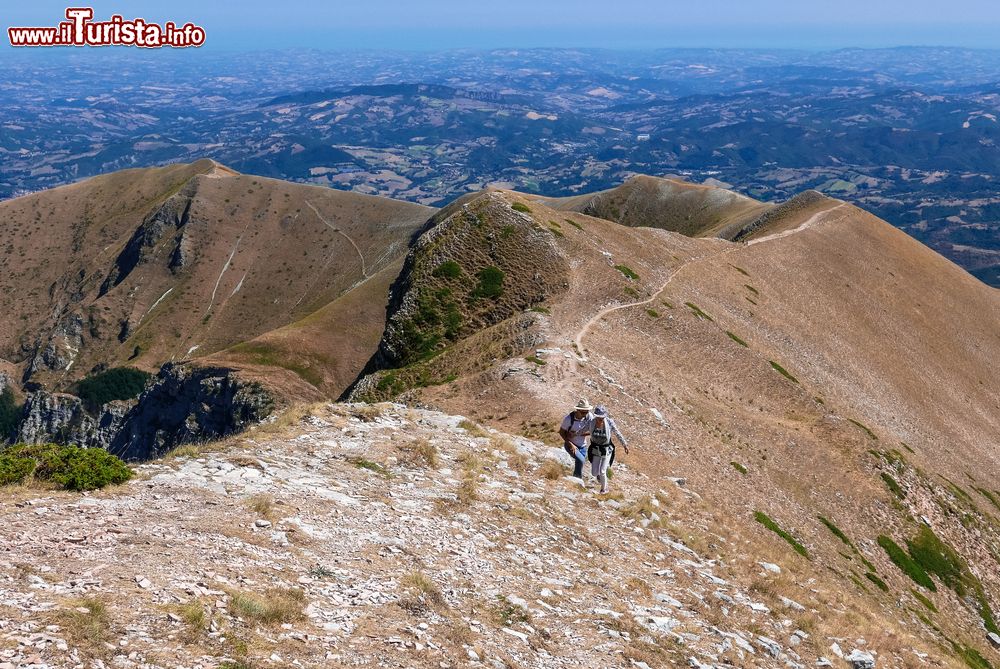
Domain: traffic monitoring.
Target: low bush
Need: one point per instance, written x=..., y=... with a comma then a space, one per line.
x=490, y=283
x=523, y=208
x=449, y=269
x=70, y=467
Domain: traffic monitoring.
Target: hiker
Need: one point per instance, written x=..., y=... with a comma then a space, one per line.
x=602, y=446
x=574, y=431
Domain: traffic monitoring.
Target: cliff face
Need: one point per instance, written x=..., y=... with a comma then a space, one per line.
x=189, y=405
x=183, y=405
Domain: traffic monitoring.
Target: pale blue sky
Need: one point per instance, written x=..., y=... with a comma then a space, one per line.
x=432, y=24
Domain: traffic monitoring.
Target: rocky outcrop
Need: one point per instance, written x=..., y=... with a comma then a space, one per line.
x=189, y=404
x=183, y=405
x=172, y=215
x=60, y=349
x=62, y=418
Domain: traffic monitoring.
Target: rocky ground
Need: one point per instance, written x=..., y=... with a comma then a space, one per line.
x=392, y=537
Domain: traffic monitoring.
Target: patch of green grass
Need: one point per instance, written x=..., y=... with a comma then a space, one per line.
x=574, y=224
x=970, y=656
x=523, y=208
x=737, y=339
x=697, y=311
x=906, y=446
x=906, y=564
x=627, y=271
x=556, y=231
x=449, y=269
x=668, y=305
x=994, y=500
x=653, y=313
x=738, y=467
x=784, y=372
x=871, y=435
x=535, y=359
x=264, y=354
x=837, y=532
x=893, y=486
x=363, y=463
x=764, y=520
x=490, y=283
x=923, y=599
x=877, y=581
x=630, y=291
x=540, y=310
x=751, y=289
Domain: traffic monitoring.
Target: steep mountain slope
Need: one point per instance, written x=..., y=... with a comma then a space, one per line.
x=830, y=367
x=146, y=266
x=691, y=209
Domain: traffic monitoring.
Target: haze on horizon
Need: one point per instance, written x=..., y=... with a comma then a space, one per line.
x=437, y=24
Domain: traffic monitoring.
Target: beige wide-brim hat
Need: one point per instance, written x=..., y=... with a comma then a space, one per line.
x=582, y=405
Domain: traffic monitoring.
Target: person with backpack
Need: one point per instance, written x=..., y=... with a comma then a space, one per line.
x=574, y=430
x=602, y=446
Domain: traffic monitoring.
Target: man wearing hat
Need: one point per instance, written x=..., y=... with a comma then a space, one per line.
x=574, y=431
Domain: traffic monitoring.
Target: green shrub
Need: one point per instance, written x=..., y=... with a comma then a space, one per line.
x=71, y=467
x=14, y=469
x=490, y=283
x=574, y=224
x=763, y=519
x=738, y=467
x=627, y=271
x=10, y=414
x=784, y=372
x=751, y=289
x=523, y=208
x=535, y=359
x=449, y=269
x=653, y=313
x=119, y=383
x=905, y=563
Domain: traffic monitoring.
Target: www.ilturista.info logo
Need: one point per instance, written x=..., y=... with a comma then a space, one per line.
x=81, y=30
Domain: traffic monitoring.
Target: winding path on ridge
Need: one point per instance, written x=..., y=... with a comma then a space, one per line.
x=364, y=267
x=578, y=340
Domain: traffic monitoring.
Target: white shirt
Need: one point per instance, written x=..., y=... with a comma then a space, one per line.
x=577, y=430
